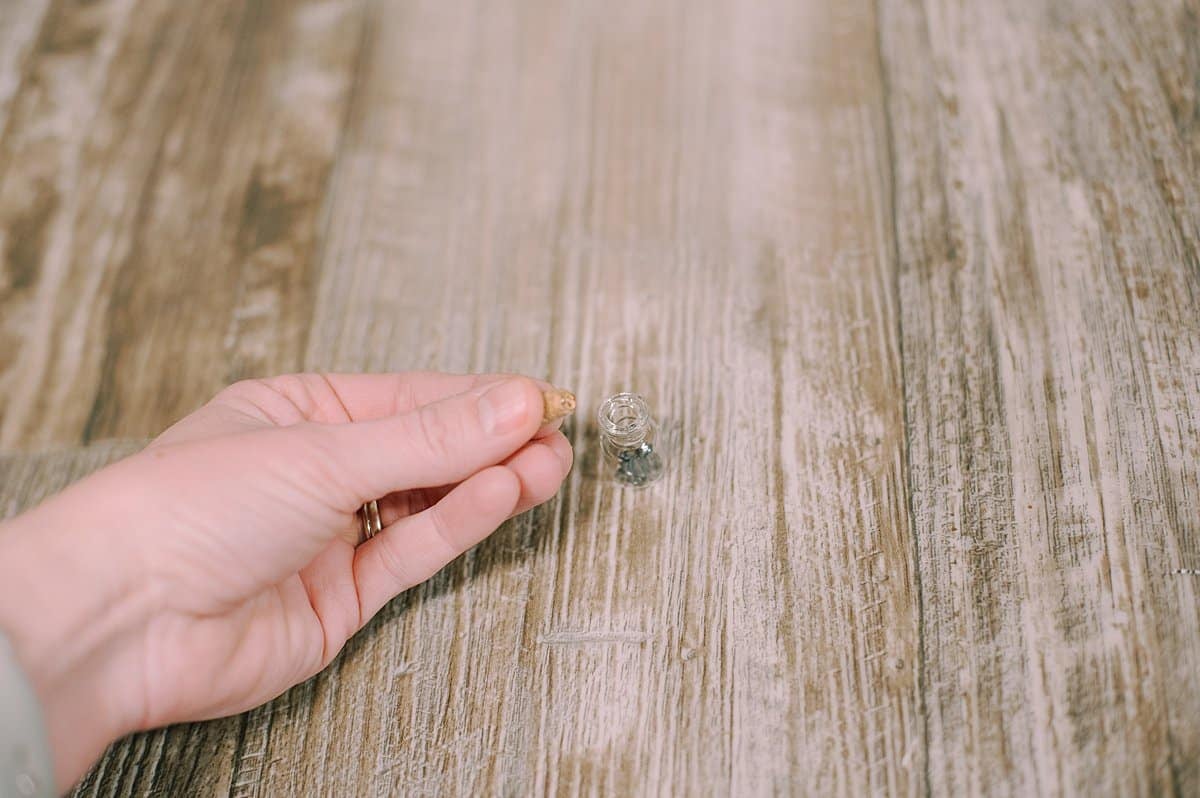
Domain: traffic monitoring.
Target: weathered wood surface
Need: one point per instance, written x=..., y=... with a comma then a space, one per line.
x=915, y=286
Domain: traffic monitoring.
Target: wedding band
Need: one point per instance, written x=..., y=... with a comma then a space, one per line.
x=368, y=518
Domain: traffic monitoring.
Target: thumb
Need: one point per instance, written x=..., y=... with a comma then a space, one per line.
x=441, y=443
x=297, y=486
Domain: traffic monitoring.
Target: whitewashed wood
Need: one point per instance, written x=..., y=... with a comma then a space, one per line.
x=1046, y=199
x=616, y=207
x=162, y=175
x=913, y=286
x=19, y=26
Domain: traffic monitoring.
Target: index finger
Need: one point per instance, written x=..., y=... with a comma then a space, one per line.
x=336, y=398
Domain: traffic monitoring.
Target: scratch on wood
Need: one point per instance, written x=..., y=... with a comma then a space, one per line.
x=592, y=637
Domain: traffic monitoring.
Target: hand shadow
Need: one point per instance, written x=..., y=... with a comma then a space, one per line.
x=529, y=536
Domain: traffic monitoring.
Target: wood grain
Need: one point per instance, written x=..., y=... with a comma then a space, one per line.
x=164, y=168
x=913, y=286
x=1049, y=281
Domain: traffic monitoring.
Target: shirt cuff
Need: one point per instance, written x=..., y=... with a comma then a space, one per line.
x=25, y=763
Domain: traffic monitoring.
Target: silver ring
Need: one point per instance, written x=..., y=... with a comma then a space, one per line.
x=369, y=520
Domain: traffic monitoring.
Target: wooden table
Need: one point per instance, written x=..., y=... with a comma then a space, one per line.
x=916, y=285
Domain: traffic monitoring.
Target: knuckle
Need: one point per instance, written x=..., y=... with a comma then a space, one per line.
x=286, y=383
x=273, y=399
x=443, y=533
x=393, y=564
x=299, y=390
x=437, y=433
x=244, y=389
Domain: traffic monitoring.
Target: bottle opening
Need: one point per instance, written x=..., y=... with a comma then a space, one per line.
x=624, y=419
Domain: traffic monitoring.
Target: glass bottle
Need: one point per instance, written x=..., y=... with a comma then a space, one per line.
x=627, y=437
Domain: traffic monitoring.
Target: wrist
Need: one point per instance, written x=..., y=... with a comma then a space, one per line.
x=73, y=620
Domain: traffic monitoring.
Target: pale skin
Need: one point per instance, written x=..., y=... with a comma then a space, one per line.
x=219, y=567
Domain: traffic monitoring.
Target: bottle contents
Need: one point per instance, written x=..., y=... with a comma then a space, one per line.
x=627, y=437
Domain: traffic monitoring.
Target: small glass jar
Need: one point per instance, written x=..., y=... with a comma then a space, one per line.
x=628, y=438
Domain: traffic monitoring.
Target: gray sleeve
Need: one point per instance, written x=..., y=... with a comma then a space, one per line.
x=25, y=769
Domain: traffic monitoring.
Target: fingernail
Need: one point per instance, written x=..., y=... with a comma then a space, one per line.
x=504, y=407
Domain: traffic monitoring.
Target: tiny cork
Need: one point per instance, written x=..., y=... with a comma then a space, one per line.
x=557, y=403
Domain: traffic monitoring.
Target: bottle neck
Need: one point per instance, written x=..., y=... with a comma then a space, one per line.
x=625, y=421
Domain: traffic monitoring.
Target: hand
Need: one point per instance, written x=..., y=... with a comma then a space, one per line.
x=218, y=567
